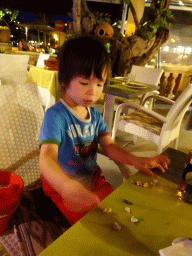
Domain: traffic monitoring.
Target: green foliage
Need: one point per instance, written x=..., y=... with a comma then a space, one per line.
x=8, y=15
x=1, y=14
x=14, y=15
x=127, y=1
x=102, y=17
x=157, y=18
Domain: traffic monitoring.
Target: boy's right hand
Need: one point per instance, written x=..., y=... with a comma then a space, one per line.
x=79, y=199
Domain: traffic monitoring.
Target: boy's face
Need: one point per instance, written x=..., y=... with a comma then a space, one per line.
x=85, y=91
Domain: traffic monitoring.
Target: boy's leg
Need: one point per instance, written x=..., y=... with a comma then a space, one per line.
x=72, y=217
x=100, y=186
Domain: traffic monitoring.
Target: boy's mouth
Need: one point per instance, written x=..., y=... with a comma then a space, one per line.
x=88, y=102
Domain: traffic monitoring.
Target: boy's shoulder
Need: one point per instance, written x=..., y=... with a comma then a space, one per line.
x=57, y=107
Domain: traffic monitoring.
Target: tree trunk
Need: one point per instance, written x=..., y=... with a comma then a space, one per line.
x=134, y=50
x=77, y=16
x=88, y=19
x=125, y=52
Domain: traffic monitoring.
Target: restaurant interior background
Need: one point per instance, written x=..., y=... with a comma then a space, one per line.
x=175, y=56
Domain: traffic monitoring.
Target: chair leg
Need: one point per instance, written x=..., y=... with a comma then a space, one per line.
x=176, y=142
x=134, y=139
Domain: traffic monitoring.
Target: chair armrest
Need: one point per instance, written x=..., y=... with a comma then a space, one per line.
x=162, y=98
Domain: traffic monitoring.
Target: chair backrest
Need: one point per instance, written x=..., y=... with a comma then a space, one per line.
x=21, y=115
x=13, y=68
x=146, y=75
x=42, y=57
x=177, y=111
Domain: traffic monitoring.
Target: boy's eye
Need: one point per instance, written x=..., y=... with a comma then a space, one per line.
x=99, y=85
x=84, y=83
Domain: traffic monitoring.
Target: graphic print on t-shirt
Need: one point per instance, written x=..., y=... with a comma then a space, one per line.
x=83, y=153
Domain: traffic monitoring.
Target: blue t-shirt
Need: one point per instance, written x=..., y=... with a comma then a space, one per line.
x=77, y=138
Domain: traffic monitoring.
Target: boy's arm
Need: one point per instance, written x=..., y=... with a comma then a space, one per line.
x=75, y=195
x=119, y=154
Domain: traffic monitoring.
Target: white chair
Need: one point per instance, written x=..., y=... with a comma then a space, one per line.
x=21, y=115
x=152, y=126
x=144, y=75
x=42, y=57
x=13, y=68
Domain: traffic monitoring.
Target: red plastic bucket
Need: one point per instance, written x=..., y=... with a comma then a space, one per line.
x=11, y=186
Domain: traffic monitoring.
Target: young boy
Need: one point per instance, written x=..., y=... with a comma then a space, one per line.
x=72, y=130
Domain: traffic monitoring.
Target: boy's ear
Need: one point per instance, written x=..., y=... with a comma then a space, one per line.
x=62, y=85
x=62, y=88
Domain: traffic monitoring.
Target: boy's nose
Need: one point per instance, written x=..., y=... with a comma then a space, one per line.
x=91, y=90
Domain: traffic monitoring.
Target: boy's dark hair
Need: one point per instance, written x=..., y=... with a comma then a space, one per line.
x=81, y=56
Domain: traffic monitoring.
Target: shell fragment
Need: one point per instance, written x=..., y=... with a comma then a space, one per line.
x=116, y=226
x=133, y=219
x=154, y=182
x=127, y=209
x=107, y=210
x=139, y=183
x=145, y=185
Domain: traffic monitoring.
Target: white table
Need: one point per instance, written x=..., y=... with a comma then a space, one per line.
x=120, y=91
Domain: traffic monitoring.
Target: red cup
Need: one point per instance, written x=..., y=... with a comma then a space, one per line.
x=11, y=186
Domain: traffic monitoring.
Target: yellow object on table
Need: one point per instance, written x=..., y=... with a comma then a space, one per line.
x=45, y=78
x=163, y=217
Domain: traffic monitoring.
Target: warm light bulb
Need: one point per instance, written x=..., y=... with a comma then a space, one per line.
x=172, y=40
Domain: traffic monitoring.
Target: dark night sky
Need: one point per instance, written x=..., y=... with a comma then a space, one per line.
x=64, y=7
x=59, y=8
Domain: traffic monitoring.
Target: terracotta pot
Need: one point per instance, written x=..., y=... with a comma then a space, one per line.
x=104, y=29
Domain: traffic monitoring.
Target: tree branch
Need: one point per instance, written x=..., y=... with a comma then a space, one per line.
x=77, y=16
x=134, y=14
x=88, y=19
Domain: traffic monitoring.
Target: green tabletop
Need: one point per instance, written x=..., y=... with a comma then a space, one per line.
x=45, y=78
x=164, y=218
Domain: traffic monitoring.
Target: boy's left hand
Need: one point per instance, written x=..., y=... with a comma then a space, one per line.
x=144, y=164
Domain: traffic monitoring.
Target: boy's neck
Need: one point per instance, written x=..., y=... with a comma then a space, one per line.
x=81, y=111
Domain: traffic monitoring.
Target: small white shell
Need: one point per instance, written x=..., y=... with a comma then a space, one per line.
x=145, y=185
x=133, y=219
x=107, y=210
x=116, y=226
x=127, y=209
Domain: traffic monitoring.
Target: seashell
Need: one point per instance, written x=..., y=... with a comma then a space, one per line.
x=133, y=219
x=139, y=183
x=145, y=185
x=107, y=210
x=154, y=182
x=116, y=226
x=127, y=209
